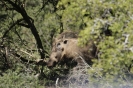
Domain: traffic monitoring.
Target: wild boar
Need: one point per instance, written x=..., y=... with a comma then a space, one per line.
x=68, y=49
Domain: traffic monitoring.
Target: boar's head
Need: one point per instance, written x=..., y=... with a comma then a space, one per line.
x=57, y=53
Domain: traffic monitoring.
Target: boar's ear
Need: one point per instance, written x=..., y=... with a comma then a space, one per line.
x=54, y=40
x=63, y=37
x=64, y=40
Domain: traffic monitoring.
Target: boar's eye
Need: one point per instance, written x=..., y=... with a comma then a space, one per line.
x=58, y=44
x=65, y=42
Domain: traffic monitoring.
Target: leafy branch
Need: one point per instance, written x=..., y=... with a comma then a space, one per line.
x=30, y=23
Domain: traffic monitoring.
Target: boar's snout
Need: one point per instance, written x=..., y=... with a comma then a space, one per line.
x=52, y=60
x=51, y=63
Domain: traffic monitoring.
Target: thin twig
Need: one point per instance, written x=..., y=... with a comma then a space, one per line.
x=27, y=53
